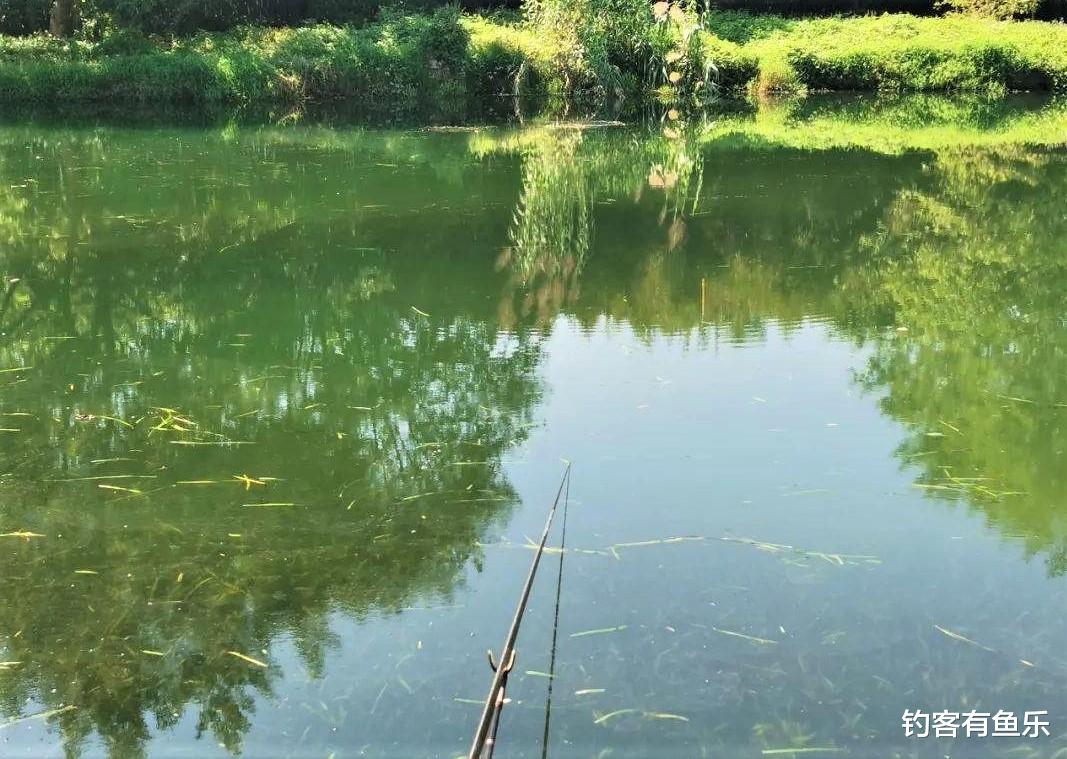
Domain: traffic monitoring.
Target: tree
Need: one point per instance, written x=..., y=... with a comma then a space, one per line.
x=64, y=18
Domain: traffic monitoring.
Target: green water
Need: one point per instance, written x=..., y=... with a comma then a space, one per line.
x=302, y=394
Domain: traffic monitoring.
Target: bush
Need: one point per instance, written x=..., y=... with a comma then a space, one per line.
x=604, y=38
x=993, y=8
x=24, y=16
x=124, y=42
x=1044, y=9
x=405, y=63
x=733, y=66
x=613, y=22
x=899, y=52
x=186, y=17
x=400, y=65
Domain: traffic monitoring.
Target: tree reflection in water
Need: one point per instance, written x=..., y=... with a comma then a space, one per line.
x=349, y=325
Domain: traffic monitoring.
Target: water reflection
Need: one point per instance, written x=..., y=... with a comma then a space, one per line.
x=254, y=378
x=971, y=268
x=175, y=338
x=945, y=262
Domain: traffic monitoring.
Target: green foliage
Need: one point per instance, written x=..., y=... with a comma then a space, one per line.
x=124, y=42
x=400, y=65
x=23, y=16
x=185, y=17
x=827, y=7
x=615, y=23
x=1046, y=9
x=733, y=66
x=900, y=52
x=1002, y=9
x=607, y=44
x=616, y=48
x=506, y=58
x=404, y=62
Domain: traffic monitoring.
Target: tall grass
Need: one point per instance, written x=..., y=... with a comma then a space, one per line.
x=401, y=64
x=898, y=52
x=455, y=64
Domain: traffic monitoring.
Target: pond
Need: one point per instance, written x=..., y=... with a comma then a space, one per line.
x=284, y=406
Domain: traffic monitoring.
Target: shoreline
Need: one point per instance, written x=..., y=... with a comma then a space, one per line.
x=457, y=64
x=884, y=124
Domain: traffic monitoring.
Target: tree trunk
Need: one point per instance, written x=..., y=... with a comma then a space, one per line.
x=64, y=18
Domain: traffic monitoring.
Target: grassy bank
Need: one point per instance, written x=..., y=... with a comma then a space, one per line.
x=457, y=64
x=889, y=52
x=402, y=64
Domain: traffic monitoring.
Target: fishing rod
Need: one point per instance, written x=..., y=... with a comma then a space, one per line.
x=555, y=624
x=485, y=736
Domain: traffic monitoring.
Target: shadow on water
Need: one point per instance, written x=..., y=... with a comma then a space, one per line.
x=256, y=377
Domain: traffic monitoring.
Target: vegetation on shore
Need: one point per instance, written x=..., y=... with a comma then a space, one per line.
x=399, y=64
x=584, y=52
x=891, y=52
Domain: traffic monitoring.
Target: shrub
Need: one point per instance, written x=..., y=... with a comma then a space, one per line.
x=24, y=16
x=1045, y=9
x=733, y=67
x=900, y=52
x=406, y=62
x=777, y=76
x=601, y=40
x=186, y=17
x=993, y=8
x=124, y=42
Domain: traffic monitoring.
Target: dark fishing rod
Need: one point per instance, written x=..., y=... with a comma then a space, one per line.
x=485, y=735
x=555, y=624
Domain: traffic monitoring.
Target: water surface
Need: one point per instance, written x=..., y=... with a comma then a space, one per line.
x=283, y=406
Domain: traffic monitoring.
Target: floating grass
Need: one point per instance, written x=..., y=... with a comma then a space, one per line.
x=605, y=718
x=665, y=716
x=644, y=714
x=659, y=542
x=108, y=477
x=131, y=491
x=743, y=636
x=963, y=639
x=246, y=658
x=94, y=417
x=598, y=631
x=247, y=481
x=221, y=443
x=837, y=559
